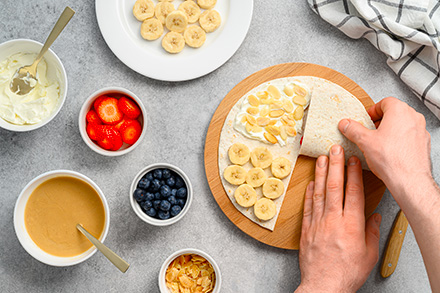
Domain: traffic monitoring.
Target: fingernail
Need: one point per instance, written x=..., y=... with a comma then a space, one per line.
x=344, y=124
x=322, y=161
x=352, y=161
x=336, y=150
x=377, y=218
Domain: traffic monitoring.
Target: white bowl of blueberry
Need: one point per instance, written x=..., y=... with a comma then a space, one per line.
x=161, y=194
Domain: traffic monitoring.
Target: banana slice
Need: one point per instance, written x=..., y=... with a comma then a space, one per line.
x=176, y=21
x=281, y=167
x=151, y=29
x=143, y=9
x=255, y=177
x=239, y=154
x=235, y=175
x=192, y=11
x=194, y=36
x=261, y=157
x=265, y=209
x=210, y=20
x=173, y=42
x=207, y=4
x=162, y=10
x=273, y=188
x=165, y=0
x=245, y=195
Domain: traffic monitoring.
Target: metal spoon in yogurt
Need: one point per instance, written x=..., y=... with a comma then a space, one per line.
x=25, y=79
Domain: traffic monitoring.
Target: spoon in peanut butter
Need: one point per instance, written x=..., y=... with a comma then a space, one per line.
x=121, y=264
x=25, y=78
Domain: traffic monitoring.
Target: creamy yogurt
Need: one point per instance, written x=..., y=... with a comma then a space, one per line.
x=38, y=104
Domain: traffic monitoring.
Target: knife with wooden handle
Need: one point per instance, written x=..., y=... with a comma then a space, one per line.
x=394, y=245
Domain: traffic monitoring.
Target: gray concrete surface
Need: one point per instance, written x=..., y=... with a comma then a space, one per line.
x=179, y=115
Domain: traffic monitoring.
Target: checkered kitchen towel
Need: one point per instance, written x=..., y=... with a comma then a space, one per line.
x=407, y=31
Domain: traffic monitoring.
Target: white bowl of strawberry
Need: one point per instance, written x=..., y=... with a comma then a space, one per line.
x=112, y=121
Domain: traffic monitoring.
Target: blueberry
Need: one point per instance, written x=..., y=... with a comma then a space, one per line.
x=165, y=191
x=165, y=205
x=151, y=212
x=156, y=204
x=175, y=210
x=171, y=181
x=162, y=182
x=181, y=192
x=144, y=183
x=166, y=173
x=157, y=196
x=149, y=176
x=172, y=200
x=147, y=205
x=179, y=182
x=149, y=196
x=163, y=215
x=181, y=202
x=139, y=194
x=157, y=174
x=155, y=185
x=173, y=192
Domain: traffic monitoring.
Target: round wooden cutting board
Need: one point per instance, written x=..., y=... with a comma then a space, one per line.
x=288, y=227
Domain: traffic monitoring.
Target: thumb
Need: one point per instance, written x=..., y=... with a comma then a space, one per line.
x=354, y=131
x=372, y=236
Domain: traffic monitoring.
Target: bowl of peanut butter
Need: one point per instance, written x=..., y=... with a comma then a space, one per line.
x=47, y=211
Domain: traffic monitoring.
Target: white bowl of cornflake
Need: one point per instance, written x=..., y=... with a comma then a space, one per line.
x=190, y=270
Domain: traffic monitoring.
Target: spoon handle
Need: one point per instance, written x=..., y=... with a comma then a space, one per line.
x=121, y=264
x=57, y=29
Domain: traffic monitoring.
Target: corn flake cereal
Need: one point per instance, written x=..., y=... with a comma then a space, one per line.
x=190, y=273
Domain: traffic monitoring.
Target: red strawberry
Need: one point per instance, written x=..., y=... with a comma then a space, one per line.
x=109, y=137
x=118, y=126
x=131, y=131
x=129, y=108
x=109, y=112
x=91, y=131
x=93, y=118
x=98, y=101
x=105, y=144
x=301, y=141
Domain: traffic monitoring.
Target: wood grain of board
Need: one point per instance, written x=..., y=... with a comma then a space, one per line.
x=288, y=227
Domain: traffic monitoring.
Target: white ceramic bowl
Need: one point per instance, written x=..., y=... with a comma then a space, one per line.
x=87, y=106
x=162, y=282
x=138, y=210
x=27, y=242
x=54, y=66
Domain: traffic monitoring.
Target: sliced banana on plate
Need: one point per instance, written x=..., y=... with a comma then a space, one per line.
x=239, y=154
x=173, y=42
x=207, y=4
x=255, y=177
x=245, y=195
x=176, y=21
x=191, y=9
x=143, y=9
x=273, y=188
x=210, y=20
x=162, y=10
x=281, y=167
x=235, y=175
x=194, y=36
x=151, y=29
x=265, y=209
x=261, y=157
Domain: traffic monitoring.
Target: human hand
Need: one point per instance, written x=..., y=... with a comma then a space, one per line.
x=337, y=249
x=398, y=151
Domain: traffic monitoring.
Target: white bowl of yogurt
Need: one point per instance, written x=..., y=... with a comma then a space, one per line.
x=42, y=104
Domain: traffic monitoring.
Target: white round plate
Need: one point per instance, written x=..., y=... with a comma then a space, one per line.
x=121, y=31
